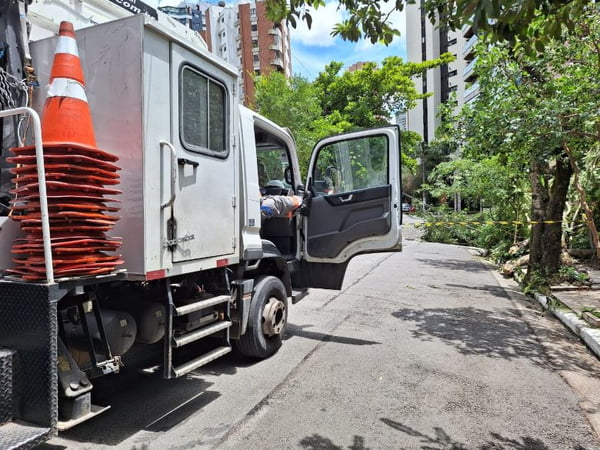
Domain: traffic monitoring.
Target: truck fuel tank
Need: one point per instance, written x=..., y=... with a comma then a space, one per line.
x=120, y=328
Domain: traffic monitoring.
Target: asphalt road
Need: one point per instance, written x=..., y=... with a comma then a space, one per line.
x=424, y=349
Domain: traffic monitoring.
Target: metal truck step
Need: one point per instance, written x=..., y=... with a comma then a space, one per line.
x=94, y=411
x=180, y=341
x=22, y=436
x=200, y=361
x=202, y=304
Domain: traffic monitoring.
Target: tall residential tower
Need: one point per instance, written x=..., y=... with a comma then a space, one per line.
x=426, y=41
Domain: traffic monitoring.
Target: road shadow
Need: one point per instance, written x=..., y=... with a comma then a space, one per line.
x=475, y=331
x=318, y=442
x=455, y=264
x=501, y=334
x=496, y=291
x=439, y=439
x=301, y=331
x=139, y=402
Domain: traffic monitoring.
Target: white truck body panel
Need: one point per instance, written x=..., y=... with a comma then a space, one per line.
x=131, y=71
x=209, y=190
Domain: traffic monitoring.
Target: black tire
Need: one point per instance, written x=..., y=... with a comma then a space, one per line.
x=255, y=343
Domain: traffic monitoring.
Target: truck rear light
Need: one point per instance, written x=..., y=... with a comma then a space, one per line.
x=156, y=274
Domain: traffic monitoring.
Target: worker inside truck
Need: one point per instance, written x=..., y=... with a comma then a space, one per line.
x=278, y=197
x=277, y=194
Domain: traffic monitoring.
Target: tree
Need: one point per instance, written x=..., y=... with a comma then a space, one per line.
x=524, y=21
x=538, y=116
x=513, y=118
x=341, y=101
x=294, y=103
x=371, y=95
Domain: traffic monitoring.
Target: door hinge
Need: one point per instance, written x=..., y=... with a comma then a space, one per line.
x=234, y=201
x=233, y=242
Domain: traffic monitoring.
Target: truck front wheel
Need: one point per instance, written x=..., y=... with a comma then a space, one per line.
x=267, y=319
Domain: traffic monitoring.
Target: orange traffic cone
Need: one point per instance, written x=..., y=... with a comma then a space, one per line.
x=77, y=173
x=66, y=119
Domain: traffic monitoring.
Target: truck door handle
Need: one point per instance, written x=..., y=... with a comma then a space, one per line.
x=184, y=161
x=347, y=199
x=174, y=162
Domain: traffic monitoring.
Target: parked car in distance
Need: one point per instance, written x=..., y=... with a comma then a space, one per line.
x=406, y=207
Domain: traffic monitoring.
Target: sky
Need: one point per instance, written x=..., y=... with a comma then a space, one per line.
x=313, y=49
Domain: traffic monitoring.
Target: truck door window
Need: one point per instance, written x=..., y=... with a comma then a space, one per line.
x=203, y=113
x=351, y=165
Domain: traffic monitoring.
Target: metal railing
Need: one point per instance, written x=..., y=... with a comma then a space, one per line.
x=41, y=173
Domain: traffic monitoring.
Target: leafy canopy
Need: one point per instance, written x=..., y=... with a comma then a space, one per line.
x=525, y=21
x=339, y=101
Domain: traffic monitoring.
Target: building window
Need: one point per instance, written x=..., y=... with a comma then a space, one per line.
x=451, y=42
x=256, y=57
x=254, y=43
x=203, y=113
x=452, y=73
x=254, y=27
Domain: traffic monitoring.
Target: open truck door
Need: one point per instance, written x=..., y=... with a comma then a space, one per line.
x=354, y=180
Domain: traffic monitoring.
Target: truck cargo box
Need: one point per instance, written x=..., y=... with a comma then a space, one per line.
x=168, y=111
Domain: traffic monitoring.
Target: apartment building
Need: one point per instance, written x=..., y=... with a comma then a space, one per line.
x=243, y=36
x=188, y=14
x=426, y=41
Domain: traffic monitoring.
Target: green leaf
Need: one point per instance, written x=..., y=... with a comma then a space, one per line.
x=308, y=19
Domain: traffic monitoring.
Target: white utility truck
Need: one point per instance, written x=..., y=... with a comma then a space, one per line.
x=201, y=270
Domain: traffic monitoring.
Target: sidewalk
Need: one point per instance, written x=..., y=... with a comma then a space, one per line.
x=578, y=309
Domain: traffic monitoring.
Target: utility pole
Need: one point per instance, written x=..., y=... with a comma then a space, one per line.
x=423, y=147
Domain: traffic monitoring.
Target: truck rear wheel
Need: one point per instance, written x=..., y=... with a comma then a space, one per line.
x=266, y=321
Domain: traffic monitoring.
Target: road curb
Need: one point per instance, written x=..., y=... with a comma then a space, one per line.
x=589, y=335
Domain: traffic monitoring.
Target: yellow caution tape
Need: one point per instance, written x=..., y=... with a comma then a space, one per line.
x=485, y=222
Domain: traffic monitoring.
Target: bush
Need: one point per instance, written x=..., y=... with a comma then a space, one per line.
x=458, y=228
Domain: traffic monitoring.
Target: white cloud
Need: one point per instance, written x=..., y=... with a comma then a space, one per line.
x=319, y=34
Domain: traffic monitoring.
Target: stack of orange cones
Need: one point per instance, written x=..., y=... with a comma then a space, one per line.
x=79, y=182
